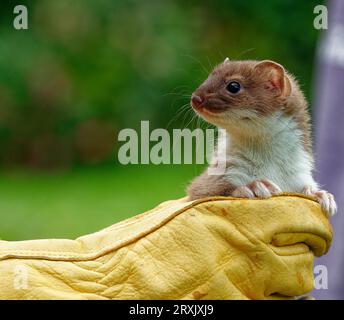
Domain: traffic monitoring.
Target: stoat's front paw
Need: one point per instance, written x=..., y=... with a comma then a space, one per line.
x=259, y=188
x=326, y=200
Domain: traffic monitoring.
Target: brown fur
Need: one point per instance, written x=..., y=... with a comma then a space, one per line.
x=209, y=185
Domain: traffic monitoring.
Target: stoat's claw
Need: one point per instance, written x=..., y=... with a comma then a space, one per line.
x=325, y=199
x=327, y=202
x=259, y=188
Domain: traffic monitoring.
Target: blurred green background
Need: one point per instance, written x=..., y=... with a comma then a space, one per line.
x=86, y=69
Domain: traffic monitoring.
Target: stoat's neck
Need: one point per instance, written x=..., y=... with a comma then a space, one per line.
x=271, y=150
x=270, y=138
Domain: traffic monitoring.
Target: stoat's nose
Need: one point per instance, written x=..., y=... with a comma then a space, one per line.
x=196, y=101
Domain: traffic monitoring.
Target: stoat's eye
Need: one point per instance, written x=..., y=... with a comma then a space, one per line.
x=233, y=87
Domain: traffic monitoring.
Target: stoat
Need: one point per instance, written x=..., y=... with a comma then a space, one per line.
x=267, y=146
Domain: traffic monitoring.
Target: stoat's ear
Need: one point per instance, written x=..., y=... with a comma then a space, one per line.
x=226, y=60
x=275, y=75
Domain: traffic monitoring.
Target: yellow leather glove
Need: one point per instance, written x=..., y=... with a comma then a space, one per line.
x=215, y=248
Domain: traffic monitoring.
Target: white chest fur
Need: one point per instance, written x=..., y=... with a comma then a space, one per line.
x=274, y=152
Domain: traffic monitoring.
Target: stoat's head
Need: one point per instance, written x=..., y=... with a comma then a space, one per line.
x=242, y=94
